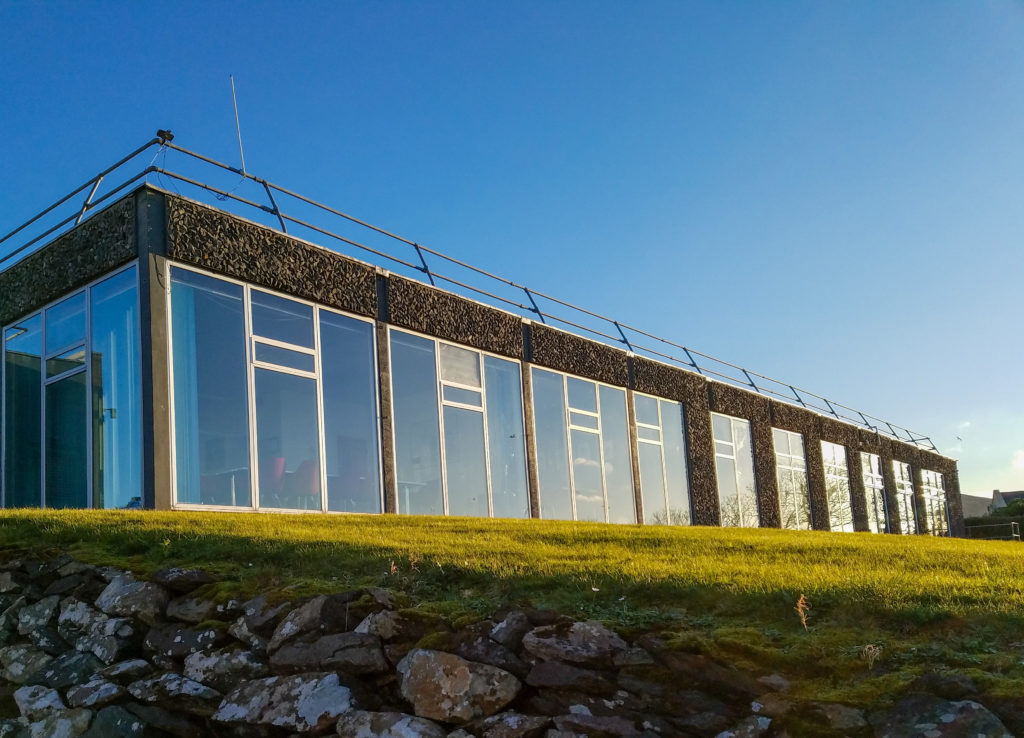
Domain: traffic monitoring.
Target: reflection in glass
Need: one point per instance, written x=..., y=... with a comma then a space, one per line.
x=281, y=319
x=67, y=464
x=874, y=492
x=791, y=475
x=673, y=423
x=22, y=422
x=583, y=420
x=646, y=409
x=65, y=323
x=662, y=457
x=466, y=474
x=618, y=476
x=586, y=475
x=509, y=492
x=284, y=357
x=582, y=394
x=905, y=498
x=349, y=382
x=734, y=464
x=460, y=365
x=211, y=415
x=117, y=413
x=287, y=441
x=417, y=432
x=68, y=361
x=837, y=487
x=552, y=446
x=934, y=495
x=462, y=396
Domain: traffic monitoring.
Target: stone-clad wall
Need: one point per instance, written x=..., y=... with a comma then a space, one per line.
x=222, y=243
x=100, y=244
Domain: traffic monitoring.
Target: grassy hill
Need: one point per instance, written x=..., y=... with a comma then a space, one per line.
x=917, y=603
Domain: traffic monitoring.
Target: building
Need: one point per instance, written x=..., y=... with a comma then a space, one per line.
x=167, y=354
x=1002, y=499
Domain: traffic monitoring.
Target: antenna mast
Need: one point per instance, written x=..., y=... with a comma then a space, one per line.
x=238, y=128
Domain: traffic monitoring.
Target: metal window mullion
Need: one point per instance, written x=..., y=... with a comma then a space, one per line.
x=255, y=494
x=71, y=346
x=736, y=467
x=600, y=451
x=487, y=443
x=89, y=410
x=460, y=385
x=285, y=345
x=440, y=428
x=463, y=406
x=42, y=411
x=63, y=375
x=664, y=465
x=568, y=445
x=320, y=419
x=285, y=369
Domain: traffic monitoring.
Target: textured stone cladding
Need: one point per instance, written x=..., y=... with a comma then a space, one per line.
x=655, y=378
x=438, y=313
x=755, y=408
x=228, y=245
x=102, y=243
x=565, y=352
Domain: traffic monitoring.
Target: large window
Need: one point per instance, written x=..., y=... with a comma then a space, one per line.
x=459, y=441
x=71, y=399
x=734, y=467
x=874, y=492
x=275, y=401
x=791, y=474
x=905, y=497
x=661, y=451
x=582, y=442
x=933, y=490
x=837, y=487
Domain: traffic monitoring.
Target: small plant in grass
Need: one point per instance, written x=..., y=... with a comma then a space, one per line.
x=803, y=609
x=871, y=653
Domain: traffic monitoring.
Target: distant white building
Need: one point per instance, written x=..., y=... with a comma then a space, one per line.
x=1001, y=499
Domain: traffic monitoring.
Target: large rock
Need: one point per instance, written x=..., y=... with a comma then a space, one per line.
x=400, y=626
x=177, y=692
x=557, y=675
x=242, y=631
x=475, y=644
x=509, y=631
x=61, y=724
x=321, y=614
x=191, y=609
x=49, y=641
x=94, y=693
x=353, y=653
x=361, y=724
x=39, y=615
x=124, y=672
x=166, y=722
x=510, y=725
x=117, y=722
x=22, y=662
x=177, y=642
x=67, y=669
x=446, y=687
x=590, y=725
x=587, y=643
x=182, y=581
x=128, y=597
x=304, y=702
x=225, y=670
x=36, y=701
x=926, y=715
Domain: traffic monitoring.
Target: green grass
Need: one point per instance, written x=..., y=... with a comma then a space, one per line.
x=927, y=602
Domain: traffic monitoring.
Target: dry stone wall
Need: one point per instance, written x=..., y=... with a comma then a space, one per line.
x=97, y=652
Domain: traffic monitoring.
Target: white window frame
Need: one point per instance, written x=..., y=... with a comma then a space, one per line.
x=46, y=355
x=831, y=468
x=251, y=365
x=735, y=461
x=660, y=443
x=936, y=503
x=905, y=496
x=874, y=488
x=791, y=464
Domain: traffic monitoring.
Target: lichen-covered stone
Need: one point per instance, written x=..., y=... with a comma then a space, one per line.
x=181, y=580
x=117, y=722
x=34, y=617
x=191, y=609
x=129, y=597
x=177, y=692
x=321, y=614
x=391, y=625
x=22, y=662
x=609, y=725
x=509, y=631
x=352, y=653
x=445, y=687
x=588, y=643
x=177, y=642
x=558, y=675
x=107, y=638
x=511, y=725
x=95, y=692
x=36, y=701
x=935, y=717
x=224, y=670
x=362, y=724
x=124, y=672
x=69, y=668
x=61, y=724
x=304, y=702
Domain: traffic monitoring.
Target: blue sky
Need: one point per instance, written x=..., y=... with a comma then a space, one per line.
x=829, y=193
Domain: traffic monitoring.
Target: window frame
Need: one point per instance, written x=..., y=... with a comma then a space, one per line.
x=874, y=484
x=252, y=365
x=660, y=443
x=905, y=496
x=844, y=478
x=45, y=355
x=736, y=467
x=783, y=464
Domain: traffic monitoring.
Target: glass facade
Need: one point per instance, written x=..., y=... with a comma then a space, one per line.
x=874, y=492
x=72, y=433
x=905, y=497
x=936, y=518
x=275, y=400
x=734, y=469
x=459, y=438
x=791, y=476
x=582, y=443
x=837, y=487
x=661, y=453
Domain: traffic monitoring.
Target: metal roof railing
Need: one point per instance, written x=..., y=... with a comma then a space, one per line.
x=235, y=189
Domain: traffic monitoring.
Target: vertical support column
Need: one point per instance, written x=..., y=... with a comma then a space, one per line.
x=634, y=455
x=387, y=415
x=816, y=480
x=855, y=470
x=529, y=424
x=891, y=497
x=919, y=504
x=700, y=443
x=151, y=245
x=954, y=503
x=767, y=479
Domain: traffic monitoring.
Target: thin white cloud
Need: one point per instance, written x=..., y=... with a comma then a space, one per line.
x=1018, y=459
